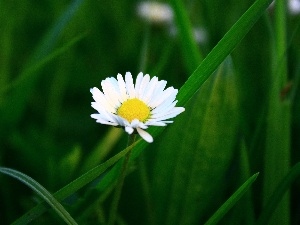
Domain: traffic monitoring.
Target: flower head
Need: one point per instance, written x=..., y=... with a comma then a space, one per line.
x=294, y=7
x=155, y=12
x=135, y=106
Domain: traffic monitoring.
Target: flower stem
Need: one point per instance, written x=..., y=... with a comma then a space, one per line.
x=120, y=182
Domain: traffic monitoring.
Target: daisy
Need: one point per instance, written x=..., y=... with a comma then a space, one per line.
x=155, y=12
x=135, y=106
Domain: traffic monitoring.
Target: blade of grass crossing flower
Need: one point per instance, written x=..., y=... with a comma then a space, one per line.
x=42, y=192
x=277, y=155
x=231, y=201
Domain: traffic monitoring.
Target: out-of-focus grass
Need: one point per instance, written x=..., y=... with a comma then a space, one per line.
x=47, y=133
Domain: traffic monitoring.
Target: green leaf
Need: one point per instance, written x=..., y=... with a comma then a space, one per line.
x=182, y=176
x=231, y=201
x=41, y=191
x=222, y=50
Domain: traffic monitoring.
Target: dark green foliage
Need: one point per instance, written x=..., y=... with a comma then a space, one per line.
x=242, y=112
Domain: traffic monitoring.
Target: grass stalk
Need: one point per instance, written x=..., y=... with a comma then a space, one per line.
x=115, y=203
x=277, y=155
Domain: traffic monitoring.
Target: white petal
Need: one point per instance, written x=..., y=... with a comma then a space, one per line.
x=108, y=116
x=163, y=108
x=110, y=91
x=169, y=92
x=129, y=85
x=149, y=90
x=156, y=123
x=142, y=125
x=138, y=81
x=146, y=136
x=100, y=99
x=122, y=122
x=103, y=112
x=134, y=123
x=122, y=88
x=129, y=130
x=100, y=119
x=171, y=114
x=157, y=93
x=143, y=86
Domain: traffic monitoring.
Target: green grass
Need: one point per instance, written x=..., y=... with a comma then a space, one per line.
x=239, y=88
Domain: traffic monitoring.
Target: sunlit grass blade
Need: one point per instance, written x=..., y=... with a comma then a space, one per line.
x=222, y=50
x=278, y=194
x=231, y=201
x=72, y=187
x=42, y=192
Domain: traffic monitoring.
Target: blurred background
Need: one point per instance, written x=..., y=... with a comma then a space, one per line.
x=244, y=119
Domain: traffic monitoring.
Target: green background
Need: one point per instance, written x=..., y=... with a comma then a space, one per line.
x=244, y=119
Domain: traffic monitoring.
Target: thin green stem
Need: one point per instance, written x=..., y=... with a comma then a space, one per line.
x=278, y=144
x=120, y=182
x=146, y=189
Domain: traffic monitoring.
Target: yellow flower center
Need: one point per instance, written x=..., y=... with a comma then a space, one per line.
x=134, y=109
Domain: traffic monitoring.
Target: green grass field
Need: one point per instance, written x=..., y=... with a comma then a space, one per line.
x=233, y=156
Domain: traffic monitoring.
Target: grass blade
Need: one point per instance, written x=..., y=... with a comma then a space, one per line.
x=278, y=130
x=191, y=53
x=42, y=192
x=278, y=194
x=222, y=50
x=72, y=187
x=231, y=201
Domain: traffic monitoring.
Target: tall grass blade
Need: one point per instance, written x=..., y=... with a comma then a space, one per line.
x=72, y=187
x=42, y=192
x=231, y=201
x=278, y=130
x=278, y=194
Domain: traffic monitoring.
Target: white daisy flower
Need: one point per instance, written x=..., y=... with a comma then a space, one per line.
x=155, y=12
x=135, y=106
